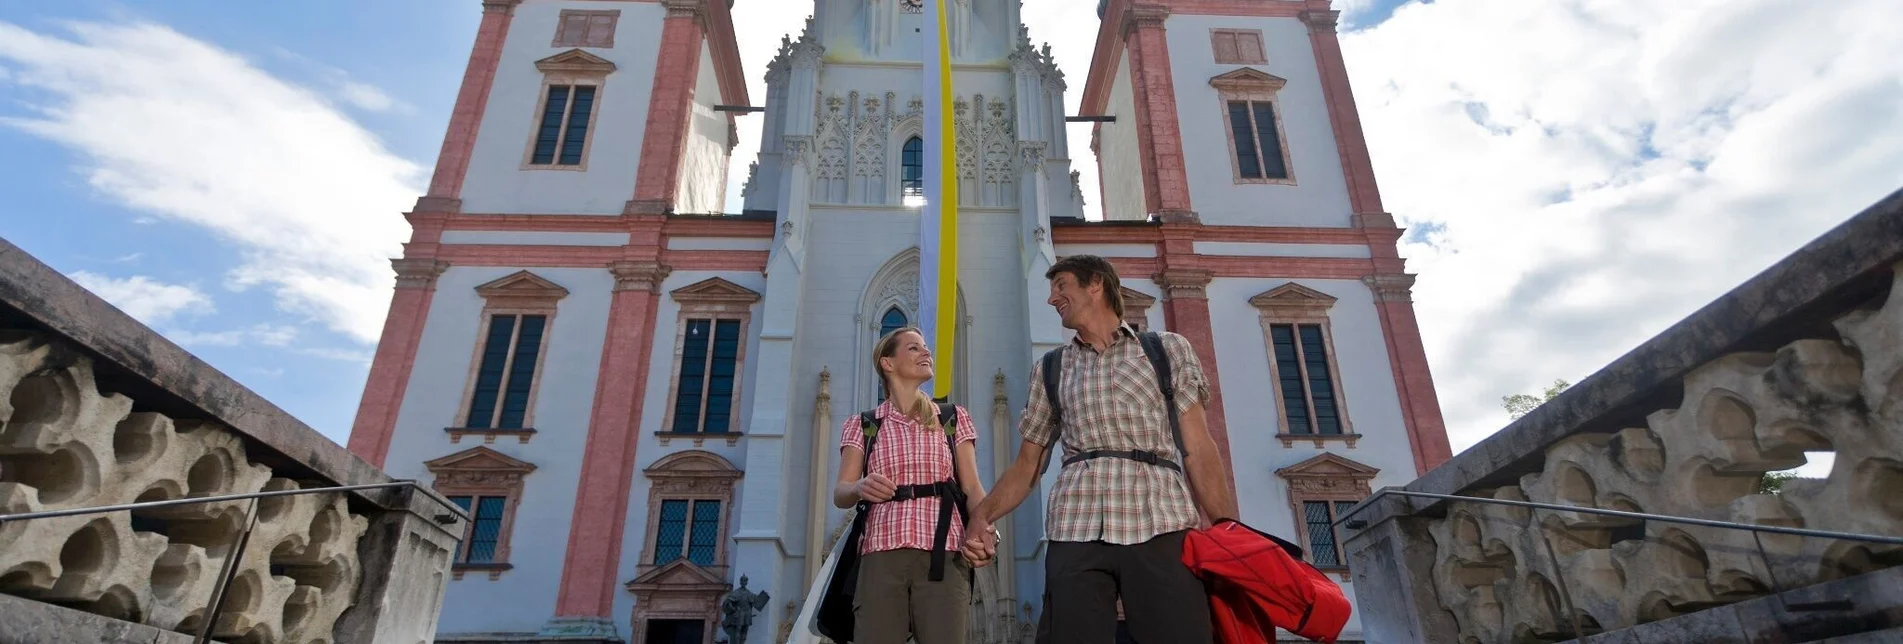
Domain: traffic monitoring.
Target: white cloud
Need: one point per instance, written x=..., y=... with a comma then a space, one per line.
x=1576, y=174
x=182, y=130
x=146, y=299
x=367, y=97
x=269, y=335
x=1590, y=172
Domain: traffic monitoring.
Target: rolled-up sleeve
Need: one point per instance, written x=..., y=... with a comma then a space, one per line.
x=1035, y=423
x=1187, y=371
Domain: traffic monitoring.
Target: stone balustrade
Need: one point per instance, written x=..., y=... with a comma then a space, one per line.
x=96, y=410
x=1806, y=358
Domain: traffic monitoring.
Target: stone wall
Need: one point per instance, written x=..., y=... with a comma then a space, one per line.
x=1805, y=358
x=96, y=410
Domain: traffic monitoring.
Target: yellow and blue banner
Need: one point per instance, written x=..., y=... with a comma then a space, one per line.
x=938, y=219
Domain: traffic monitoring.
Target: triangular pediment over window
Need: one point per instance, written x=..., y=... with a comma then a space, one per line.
x=1249, y=79
x=1292, y=298
x=522, y=284
x=1328, y=466
x=479, y=459
x=680, y=572
x=1135, y=299
x=575, y=61
x=715, y=290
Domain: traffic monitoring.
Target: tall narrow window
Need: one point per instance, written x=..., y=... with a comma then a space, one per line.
x=1306, y=382
x=1258, y=144
x=709, y=358
x=488, y=486
x=485, y=528
x=711, y=353
x=912, y=168
x=892, y=320
x=507, y=372
x=1249, y=112
x=688, y=530
x=564, y=130
x=1321, y=491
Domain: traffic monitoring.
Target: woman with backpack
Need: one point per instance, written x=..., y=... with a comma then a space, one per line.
x=923, y=469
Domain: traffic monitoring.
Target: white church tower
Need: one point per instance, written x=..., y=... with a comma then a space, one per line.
x=638, y=397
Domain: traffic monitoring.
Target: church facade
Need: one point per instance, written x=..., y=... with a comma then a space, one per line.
x=637, y=397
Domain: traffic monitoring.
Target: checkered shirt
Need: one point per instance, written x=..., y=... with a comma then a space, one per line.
x=908, y=454
x=1112, y=402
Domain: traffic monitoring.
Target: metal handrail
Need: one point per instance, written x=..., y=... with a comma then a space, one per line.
x=1565, y=597
x=242, y=539
x=1644, y=516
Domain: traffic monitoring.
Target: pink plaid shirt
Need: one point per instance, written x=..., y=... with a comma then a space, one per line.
x=908, y=454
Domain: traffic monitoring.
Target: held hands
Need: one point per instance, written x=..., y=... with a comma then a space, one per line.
x=981, y=543
x=875, y=488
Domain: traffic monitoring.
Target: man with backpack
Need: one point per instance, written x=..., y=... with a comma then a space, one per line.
x=1136, y=470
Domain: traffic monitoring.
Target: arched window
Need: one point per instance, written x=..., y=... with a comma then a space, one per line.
x=892, y=320
x=912, y=168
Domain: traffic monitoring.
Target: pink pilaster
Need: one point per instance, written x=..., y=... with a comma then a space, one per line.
x=1185, y=285
x=452, y=163
x=1356, y=166
x=607, y=468
x=670, y=106
x=1159, y=134
x=396, y=352
x=1420, y=406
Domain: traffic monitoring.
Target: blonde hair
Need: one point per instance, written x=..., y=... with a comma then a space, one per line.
x=921, y=411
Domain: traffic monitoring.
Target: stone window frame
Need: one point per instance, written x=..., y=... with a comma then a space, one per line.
x=519, y=293
x=1261, y=52
x=1294, y=304
x=1136, y=308
x=1250, y=84
x=482, y=472
x=1326, y=478
x=591, y=30
x=691, y=475
x=716, y=299
x=573, y=68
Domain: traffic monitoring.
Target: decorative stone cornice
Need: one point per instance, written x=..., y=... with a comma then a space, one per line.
x=1248, y=79
x=478, y=467
x=639, y=276
x=1185, y=283
x=1321, y=21
x=504, y=7
x=1328, y=476
x=1391, y=287
x=437, y=205
x=418, y=273
x=1184, y=217
x=715, y=290
x=577, y=63
x=695, y=9
x=1143, y=16
x=1373, y=220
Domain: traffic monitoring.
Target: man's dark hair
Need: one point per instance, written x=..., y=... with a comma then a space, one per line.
x=1091, y=269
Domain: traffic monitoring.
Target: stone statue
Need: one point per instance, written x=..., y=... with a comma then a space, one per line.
x=736, y=611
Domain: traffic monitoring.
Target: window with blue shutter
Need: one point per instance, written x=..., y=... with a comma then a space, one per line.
x=1306, y=379
x=687, y=530
x=511, y=350
x=710, y=363
x=562, y=136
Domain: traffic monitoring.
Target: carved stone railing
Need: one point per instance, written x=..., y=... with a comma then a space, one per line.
x=96, y=410
x=1807, y=357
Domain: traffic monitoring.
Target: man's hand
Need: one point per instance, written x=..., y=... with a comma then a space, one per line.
x=875, y=488
x=981, y=543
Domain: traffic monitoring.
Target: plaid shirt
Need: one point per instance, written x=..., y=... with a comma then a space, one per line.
x=1111, y=401
x=908, y=454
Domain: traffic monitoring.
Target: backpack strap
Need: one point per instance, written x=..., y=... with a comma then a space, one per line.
x=1053, y=374
x=1160, y=363
x=869, y=423
x=951, y=498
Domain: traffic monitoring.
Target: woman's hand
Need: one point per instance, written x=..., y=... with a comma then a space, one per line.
x=875, y=488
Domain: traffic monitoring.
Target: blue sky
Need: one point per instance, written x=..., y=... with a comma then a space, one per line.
x=233, y=173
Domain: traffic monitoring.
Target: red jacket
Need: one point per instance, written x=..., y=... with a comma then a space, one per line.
x=1257, y=582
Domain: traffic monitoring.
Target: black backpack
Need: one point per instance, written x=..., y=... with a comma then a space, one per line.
x=1159, y=362
x=834, y=619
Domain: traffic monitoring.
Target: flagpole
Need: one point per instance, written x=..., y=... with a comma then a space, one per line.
x=938, y=220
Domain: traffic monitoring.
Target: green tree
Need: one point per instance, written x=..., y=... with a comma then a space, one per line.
x=1773, y=482
x=1518, y=405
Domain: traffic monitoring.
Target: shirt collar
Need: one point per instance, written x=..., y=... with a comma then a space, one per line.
x=1124, y=331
